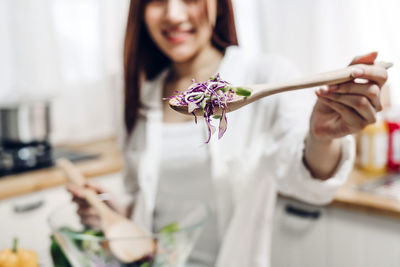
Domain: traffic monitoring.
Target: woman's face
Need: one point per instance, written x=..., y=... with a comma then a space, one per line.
x=180, y=28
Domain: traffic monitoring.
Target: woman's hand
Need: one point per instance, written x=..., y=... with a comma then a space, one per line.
x=341, y=110
x=347, y=108
x=87, y=213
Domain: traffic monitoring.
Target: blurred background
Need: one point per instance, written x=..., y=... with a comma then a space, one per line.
x=71, y=50
x=69, y=53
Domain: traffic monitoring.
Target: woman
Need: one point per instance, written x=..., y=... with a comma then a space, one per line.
x=278, y=143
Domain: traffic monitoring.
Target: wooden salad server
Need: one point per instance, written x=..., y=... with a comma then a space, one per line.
x=259, y=91
x=120, y=231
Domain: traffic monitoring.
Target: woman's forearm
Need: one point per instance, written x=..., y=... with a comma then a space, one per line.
x=322, y=157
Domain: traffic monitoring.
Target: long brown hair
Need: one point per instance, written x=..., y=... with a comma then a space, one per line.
x=143, y=59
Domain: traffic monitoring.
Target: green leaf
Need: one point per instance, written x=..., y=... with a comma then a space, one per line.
x=145, y=264
x=203, y=104
x=14, y=247
x=217, y=117
x=242, y=91
x=226, y=88
x=57, y=254
x=170, y=228
x=93, y=232
x=197, y=96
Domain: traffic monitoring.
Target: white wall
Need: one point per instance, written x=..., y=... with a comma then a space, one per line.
x=319, y=35
x=69, y=51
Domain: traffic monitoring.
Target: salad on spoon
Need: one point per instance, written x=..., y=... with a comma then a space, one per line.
x=209, y=98
x=215, y=97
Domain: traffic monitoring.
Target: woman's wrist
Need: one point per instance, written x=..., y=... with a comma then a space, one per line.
x=321, y=156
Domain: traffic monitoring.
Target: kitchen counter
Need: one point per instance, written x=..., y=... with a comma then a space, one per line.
x=110, y=161
x=348, y=196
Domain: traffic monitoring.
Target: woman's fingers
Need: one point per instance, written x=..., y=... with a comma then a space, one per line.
x=348, y=115
x=373, y=73
x=92, y=221
x=87, y=211
x=76, y=191
x=88, y=215
x=78, y=196
x=357, y=103
x=364, y=68
x=78, y=200
x=370, y=91
x=95, y=187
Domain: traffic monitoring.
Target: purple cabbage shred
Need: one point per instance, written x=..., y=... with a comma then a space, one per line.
x=207, y=96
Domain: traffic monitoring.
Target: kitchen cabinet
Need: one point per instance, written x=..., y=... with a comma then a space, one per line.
x=303, y=235
x=300, y=235
x=31, y=226
x=360, y=239
x=331, y=236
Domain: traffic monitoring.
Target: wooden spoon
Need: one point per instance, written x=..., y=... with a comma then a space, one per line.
x=119, y=230
x=259, y=91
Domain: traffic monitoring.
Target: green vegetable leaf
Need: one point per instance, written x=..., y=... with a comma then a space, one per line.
x=197, y=96
x=93, y=232
x=203, y=104
x=57, y=255
x=217, y=117
x=170, y=228
x=242, y=91
x=226, y=88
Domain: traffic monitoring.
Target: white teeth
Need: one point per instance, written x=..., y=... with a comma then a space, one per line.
x=175, y=34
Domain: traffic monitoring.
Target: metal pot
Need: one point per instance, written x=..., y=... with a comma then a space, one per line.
x=25, y=122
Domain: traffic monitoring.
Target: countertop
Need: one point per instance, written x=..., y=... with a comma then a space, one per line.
x=348, y=196
x=110, y=161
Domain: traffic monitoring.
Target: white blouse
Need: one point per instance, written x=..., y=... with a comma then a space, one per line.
x=260, y=154
x=185, y=177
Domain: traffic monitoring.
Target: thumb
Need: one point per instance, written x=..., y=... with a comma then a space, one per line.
x=365, y=59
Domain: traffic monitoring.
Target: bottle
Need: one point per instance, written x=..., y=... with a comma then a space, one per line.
x=392, y=119
x=373, y=147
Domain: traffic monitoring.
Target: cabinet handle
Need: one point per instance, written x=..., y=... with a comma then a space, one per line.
x=25, y=207
x=299, y=212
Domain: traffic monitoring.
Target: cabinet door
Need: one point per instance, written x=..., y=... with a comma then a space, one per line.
x=30, y=226
x=358, y=238
x=338, y=237
x=300, y=235
x=25, y=217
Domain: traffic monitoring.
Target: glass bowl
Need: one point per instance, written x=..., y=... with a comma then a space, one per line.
x=84, y=247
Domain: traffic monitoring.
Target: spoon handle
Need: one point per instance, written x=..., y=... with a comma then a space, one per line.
x=75, y=177
x=326, y=78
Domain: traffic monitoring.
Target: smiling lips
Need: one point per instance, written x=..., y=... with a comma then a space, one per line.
x=177, y=36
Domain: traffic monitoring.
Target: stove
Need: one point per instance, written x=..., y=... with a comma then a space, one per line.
x=17, y=158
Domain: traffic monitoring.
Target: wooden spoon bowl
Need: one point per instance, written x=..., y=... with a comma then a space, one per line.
x=119, y=230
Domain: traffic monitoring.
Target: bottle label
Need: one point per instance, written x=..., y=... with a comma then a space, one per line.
x=396, y=145
x=380, y=148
